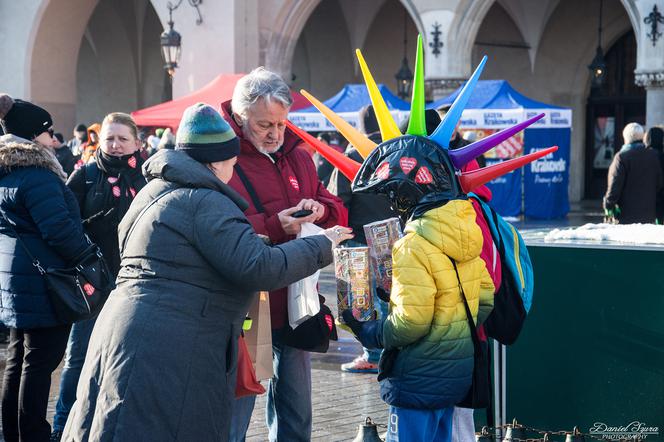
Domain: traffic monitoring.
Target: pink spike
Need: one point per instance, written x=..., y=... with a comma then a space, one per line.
x=475, y=178
x=460, y=157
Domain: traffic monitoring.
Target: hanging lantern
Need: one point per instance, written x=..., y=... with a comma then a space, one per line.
x=171, y=41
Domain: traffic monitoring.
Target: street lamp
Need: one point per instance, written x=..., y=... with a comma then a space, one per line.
x=171, y=40
x=405, y=75
x=170, y=48
x=598, y=65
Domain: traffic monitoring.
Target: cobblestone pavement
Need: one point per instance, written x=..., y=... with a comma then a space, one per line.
x=341, y=401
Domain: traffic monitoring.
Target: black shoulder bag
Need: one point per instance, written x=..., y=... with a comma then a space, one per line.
x=77, y=292
x=479, y=395
x=315, y=333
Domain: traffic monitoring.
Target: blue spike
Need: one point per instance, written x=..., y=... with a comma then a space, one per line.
x=446, y=127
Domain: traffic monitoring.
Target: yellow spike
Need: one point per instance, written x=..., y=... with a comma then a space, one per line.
x=388, y=127
x=363, y=144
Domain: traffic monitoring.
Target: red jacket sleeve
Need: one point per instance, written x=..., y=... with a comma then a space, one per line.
x=335, y=211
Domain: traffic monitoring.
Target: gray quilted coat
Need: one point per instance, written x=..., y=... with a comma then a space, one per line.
x=161, y=365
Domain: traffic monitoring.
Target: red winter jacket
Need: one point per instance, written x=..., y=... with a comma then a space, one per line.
x=280, y=184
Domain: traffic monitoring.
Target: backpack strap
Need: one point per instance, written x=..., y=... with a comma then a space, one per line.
x=250, y=189
x=142, y=212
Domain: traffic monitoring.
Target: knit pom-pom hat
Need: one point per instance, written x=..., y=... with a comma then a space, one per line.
x=205, y=136
x=22, y=118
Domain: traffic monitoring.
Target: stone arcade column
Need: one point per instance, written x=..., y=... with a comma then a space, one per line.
x=648, y=21
x=654, y=84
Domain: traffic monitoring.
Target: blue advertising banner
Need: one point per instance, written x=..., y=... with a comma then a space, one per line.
x=506, y=191
x=546, y=180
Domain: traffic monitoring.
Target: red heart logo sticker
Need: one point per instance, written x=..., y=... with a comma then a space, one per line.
x=423, y=176
x=407, y=164
x=88, y=289
x=116, y=191
x=132, y=162
x=383, y=171
x=112, y=179
x=132, y=191
x=328, y=320
x=294, y=183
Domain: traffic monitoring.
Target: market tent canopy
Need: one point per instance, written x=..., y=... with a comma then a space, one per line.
x=539, y=190
x=347, y=103
x=220, y=89
x=493, y=94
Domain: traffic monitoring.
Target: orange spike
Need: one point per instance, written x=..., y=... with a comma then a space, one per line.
x=360, y=141
x=473, y=179
x=347, y=166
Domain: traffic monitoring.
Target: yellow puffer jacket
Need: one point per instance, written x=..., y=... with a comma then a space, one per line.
x=427, y=321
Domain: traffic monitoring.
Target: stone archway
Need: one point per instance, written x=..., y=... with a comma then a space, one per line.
x=283, y=32
x=57, y=31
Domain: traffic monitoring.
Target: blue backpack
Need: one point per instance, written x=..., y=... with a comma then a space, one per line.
x=513, y=299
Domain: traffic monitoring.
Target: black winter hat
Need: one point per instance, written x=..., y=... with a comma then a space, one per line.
x=22, y=118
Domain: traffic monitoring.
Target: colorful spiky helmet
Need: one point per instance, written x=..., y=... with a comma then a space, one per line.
x=414, y=170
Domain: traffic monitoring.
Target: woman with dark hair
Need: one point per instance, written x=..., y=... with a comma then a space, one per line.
x=654, y=139
x=39, y=217
x=104, y=189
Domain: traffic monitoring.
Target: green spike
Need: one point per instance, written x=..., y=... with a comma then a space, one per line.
x=417, y=124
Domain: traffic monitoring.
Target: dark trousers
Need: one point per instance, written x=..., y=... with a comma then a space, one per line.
x=32, y=356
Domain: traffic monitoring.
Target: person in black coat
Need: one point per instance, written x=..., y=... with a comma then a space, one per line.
x=162, y=359
x=66, y=159
x=634, y=180
x=40, y=217
x=104, y=189
x=654, y=139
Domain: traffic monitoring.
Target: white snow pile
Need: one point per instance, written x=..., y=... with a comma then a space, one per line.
x=620, y=233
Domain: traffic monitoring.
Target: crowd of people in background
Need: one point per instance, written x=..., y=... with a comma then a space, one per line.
x=227, y=185
x=635, y=190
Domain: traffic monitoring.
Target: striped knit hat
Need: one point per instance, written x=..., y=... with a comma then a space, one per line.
x=205, y=136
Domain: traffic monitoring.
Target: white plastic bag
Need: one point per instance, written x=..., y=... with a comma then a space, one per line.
x=303, y=295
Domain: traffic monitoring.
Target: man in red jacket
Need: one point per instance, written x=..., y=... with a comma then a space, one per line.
x=278, y=178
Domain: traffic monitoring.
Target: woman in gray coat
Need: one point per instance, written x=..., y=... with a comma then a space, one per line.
x=161, y=364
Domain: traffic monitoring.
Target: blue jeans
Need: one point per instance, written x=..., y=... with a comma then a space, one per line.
x=410, y=425
x=288, y=412
x=77, y=346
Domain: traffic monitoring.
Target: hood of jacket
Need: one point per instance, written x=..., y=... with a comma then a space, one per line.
x=291, y=141
x=16, y=152
x=451, y=228
x=179, y=168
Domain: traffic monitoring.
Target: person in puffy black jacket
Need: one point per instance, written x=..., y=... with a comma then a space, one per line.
x=104, y=189
x=37, y=206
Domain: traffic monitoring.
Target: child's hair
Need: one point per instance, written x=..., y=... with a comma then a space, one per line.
x=121, y=118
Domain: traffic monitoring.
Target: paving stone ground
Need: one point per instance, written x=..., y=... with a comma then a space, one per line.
x=341, y=401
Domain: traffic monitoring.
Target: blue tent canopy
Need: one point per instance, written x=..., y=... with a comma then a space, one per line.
x=347, y=103
x=539, y=189
x=494, y=94
x=353, y=97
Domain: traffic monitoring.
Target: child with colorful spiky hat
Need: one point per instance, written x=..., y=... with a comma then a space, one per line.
x=427, y=365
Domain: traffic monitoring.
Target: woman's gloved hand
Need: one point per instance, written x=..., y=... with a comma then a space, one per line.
x=369, y=333
x=383, y=294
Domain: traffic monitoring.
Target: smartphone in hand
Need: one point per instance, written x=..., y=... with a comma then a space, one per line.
x=301, y=213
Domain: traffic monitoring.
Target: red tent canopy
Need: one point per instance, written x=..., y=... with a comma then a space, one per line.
x=220, y=89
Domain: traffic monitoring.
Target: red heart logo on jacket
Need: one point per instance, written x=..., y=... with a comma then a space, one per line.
x=407, y=164
x=132, y=162
x=383, y=171
x=294, y=183
x=88, y=289
x=423, y=176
